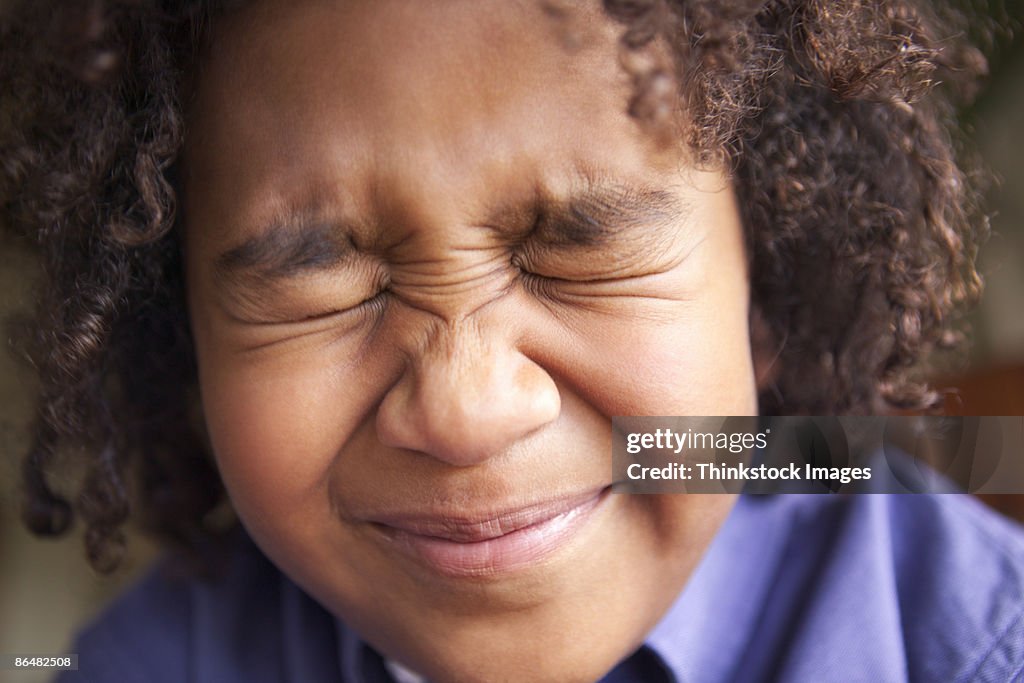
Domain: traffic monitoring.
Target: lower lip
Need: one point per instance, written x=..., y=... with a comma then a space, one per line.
x=512, y=551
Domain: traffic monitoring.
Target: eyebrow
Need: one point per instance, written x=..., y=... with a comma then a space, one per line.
x=597, y=212
x=285, y=249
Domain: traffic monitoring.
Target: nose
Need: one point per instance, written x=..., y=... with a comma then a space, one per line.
x=466, y=398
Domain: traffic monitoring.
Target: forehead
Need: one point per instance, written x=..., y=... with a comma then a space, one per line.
x=343, y=98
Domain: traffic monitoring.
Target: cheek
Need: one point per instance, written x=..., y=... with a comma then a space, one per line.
x=702, y=364
x=700, y=367
x=695, y=360
x=276, y=437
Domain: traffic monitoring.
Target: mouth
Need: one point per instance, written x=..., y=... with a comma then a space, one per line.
x=489, y=543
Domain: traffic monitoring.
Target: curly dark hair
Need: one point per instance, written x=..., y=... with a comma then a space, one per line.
x=862, y=227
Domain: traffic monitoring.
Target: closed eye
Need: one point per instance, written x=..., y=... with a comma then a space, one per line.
x=371, y=305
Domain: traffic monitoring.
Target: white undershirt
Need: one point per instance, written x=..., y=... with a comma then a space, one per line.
x=401, y=674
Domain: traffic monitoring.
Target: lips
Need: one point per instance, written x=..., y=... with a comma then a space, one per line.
x=467, y=545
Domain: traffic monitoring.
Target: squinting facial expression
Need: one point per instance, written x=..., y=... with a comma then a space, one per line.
x=429, y=256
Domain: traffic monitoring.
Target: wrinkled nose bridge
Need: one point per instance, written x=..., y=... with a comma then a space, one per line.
x=463, y=376
x=462, y=304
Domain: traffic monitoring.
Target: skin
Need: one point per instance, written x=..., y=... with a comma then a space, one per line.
x=440, y=351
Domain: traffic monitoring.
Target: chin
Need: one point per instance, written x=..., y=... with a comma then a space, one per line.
x=489, y=656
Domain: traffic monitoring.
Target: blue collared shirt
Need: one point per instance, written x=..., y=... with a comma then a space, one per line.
x=794, y=588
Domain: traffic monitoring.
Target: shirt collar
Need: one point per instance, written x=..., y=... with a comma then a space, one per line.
x=703, y=635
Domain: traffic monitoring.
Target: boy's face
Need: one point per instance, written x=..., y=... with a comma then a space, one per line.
x=429, y=256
